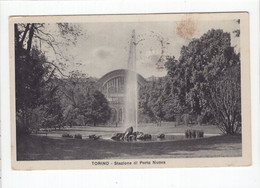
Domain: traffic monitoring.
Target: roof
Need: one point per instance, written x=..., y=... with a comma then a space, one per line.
x=117, y=73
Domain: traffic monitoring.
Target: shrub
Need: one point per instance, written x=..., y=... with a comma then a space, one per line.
x=200, y=134
x=188, y=133
x=67, y=135
x=161, y=136
x=94, y=137
x=194, y=133
x=78, y=136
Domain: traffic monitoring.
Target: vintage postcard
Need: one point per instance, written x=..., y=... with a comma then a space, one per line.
x=130, y=91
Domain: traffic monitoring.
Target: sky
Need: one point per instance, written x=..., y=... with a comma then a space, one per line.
x=104, y=47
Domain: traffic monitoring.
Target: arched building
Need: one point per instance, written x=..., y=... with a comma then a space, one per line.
x=112, y=85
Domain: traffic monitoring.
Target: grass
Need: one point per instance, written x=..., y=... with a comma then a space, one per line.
x=54, y=147
x=50, y=148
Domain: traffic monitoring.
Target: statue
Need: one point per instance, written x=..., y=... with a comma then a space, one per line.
x=128, y=132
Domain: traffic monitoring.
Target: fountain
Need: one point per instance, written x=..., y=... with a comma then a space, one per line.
x=131, y=132
x=131, y=87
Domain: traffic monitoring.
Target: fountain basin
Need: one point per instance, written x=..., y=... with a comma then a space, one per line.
x=154, y=138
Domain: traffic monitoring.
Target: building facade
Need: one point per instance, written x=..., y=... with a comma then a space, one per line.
x=112, y=85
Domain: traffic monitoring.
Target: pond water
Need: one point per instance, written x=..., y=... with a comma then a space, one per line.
x=168, y=137
x=107, y=136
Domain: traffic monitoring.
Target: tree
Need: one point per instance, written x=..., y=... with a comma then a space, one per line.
x=145, y=112
x=178, y=102
x=100, y=108
x=203, y=62
x=37, y=103
x=157, y=109
x=86, y=104
x=30, y=87
x=38, y=35
x=237, y=31
x=73, y=86
x=225, y=95
x=94, y=107
x=152, y=99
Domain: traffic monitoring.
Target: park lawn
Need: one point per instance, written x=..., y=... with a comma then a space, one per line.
x=48, y=148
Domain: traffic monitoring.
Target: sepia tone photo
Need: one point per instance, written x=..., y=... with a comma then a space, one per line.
x=130, y=91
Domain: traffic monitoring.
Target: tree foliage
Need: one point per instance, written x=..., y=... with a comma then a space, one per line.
x=33, y=89
x=83, y=104
x=203, y=83
x=95, y=108
x=202, y=86
x=225, y=97
x=206, y=63
x=44, y=95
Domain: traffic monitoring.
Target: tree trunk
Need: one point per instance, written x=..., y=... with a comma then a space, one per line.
x=23, y=37
x=16, y=32
x=29, y=42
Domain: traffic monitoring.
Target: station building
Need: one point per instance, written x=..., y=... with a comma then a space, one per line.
x=112, y=85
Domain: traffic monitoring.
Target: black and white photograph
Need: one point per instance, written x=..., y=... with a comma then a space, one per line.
x=130, y=91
